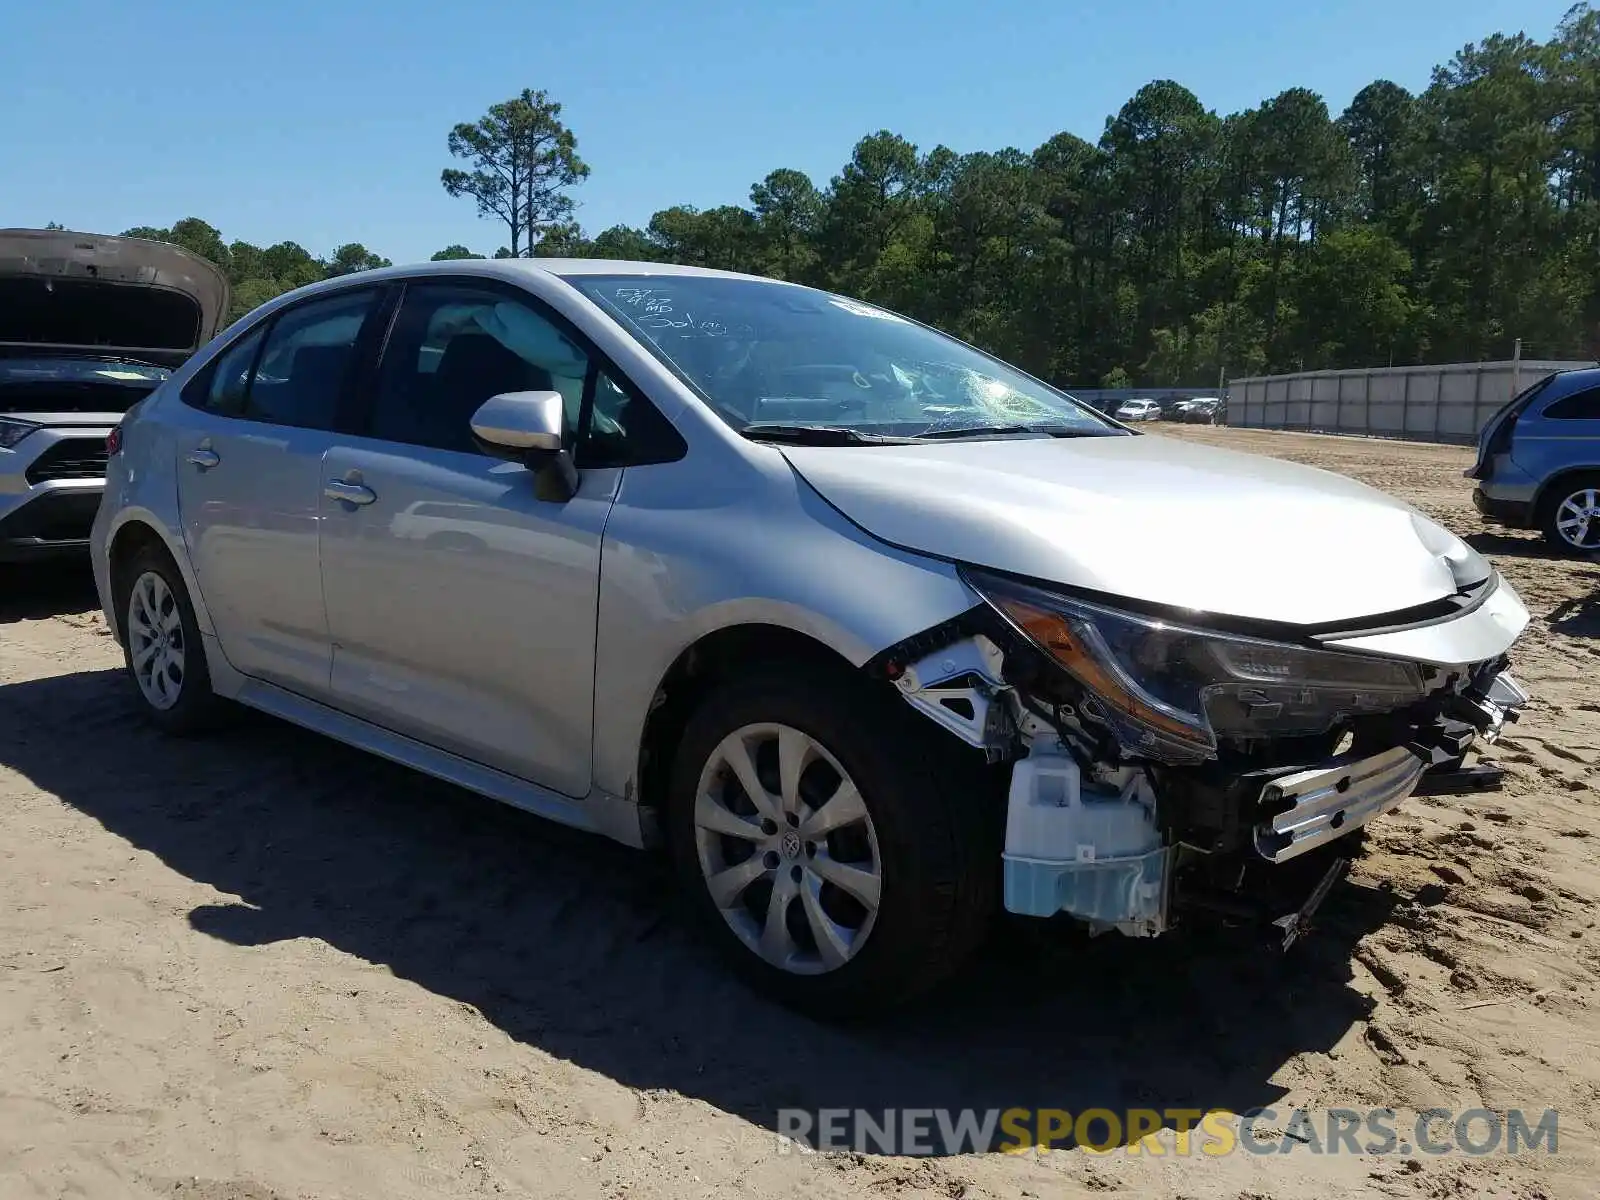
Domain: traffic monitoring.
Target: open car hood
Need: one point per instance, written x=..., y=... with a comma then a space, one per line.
x=64, y=293
x=1154, y=519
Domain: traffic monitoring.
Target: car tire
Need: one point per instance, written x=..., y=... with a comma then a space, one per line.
x=924, y=841
x=1580, y=493
x=162, y=646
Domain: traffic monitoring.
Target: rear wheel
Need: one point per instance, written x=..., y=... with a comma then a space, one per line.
x=1571, y=516
x=162, y=646
x=839, y=855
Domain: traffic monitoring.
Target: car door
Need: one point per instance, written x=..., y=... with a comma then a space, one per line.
x=462, y=606
x=250, y=483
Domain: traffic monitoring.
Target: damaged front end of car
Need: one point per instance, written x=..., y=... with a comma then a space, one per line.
x=1158, y=767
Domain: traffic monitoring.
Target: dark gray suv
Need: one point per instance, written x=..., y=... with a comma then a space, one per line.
x=1539, y=462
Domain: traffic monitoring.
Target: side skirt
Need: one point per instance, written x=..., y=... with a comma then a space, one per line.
x=598, y=812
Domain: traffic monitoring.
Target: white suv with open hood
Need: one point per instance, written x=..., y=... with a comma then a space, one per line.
x=89, y=326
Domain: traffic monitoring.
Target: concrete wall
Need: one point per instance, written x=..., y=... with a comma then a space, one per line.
x=1447, y=403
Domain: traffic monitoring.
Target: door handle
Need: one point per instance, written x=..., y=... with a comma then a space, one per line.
x=204, y=459
x=350, y=493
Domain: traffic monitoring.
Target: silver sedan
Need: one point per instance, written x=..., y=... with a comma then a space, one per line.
x=873, y=633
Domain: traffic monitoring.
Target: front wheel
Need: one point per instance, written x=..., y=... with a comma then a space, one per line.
x=1572, y=516
x=839, y=854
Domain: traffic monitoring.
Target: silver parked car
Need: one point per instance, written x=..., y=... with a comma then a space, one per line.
x=873, y=632
x=1538, y=464
x=1139, y=410
x=89, y=326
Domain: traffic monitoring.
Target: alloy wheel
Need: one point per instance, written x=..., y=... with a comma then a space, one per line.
x=787, y=848
x=1578, y=519
x=155, y=640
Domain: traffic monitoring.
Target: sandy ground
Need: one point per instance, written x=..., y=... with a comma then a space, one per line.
x=264, y=966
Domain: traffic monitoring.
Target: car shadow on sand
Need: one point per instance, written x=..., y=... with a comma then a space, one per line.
x=1511, y=545
x=573, y=944
x=1579, y=616
x=39, y=591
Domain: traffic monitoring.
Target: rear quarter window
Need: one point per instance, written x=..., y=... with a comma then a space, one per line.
x=1580, y=406
x=222, y=386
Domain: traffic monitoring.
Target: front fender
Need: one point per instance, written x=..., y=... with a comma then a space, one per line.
x=771, y=552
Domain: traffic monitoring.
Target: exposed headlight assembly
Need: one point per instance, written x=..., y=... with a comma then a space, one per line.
x=1170, y=691
x=13, y=431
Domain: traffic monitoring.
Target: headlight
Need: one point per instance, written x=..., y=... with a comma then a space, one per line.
x=1170, y=691
x=13, y=431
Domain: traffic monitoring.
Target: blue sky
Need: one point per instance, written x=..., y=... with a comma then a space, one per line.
x=324, y=121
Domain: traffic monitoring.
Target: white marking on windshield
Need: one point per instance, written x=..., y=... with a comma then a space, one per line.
x=865, y=310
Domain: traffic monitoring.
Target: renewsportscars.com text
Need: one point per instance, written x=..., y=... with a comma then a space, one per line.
x=1173, y=1131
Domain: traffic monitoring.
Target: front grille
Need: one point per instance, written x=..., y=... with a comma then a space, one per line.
x=73, y=458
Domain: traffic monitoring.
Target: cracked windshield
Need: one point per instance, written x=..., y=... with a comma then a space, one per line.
x=773, y=358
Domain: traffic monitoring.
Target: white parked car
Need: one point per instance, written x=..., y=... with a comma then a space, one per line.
x=1139, y=410
x=871, y=631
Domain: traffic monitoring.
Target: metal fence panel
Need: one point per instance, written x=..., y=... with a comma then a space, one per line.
x=1445, y=403
x=1384, y=405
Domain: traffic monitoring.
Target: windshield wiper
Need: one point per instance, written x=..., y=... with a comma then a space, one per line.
x=1059, y=431
x=819, y=435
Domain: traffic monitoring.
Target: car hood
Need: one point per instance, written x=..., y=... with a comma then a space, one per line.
x=1154, y=519
x=79, y=292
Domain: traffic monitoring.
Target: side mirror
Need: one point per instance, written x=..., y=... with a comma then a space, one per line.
x=527, y=427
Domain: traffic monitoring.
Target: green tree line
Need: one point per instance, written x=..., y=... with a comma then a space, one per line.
x=256, y=275
x=1427, y=227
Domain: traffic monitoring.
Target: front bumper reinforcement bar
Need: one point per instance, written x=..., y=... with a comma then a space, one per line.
x=1331, y=800
x=1313, y=806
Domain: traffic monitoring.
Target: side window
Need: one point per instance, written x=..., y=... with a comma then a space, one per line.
x=306, y=364
x=455, y=345
x=1580, y=406
x=228, y=380
x=444, y=323
x=625, y=429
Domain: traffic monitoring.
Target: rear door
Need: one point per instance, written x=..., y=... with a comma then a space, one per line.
x=250, y=481
x=461, y=606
